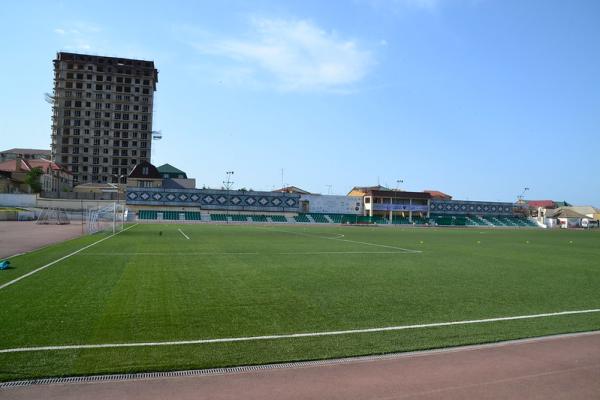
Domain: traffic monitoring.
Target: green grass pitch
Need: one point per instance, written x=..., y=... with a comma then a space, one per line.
x=151, y=284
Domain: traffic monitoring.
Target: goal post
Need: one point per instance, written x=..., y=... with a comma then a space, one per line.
x=53, y=216
x=110, y=218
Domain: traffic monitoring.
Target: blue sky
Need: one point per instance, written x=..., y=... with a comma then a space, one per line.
x=476, y=98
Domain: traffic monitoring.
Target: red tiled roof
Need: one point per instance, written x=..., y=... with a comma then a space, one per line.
x=541, y=203
x=27, y=165
x=436, y=194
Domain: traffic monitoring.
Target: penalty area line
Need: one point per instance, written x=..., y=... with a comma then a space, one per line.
x=340, y=237
x=61, y=259
x=184, y=235
x=295, y=335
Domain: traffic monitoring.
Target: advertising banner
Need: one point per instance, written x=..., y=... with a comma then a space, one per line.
x=400, y=207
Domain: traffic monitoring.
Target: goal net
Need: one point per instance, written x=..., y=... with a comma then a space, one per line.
x=109, y=218
x=53, y=216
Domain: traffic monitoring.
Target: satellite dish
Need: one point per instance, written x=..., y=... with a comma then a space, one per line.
x=156, y=135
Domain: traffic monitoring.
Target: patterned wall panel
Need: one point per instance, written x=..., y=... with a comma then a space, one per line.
x=470, y=207
x=214, y=199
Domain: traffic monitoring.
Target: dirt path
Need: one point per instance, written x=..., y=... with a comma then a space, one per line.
x=23, y=236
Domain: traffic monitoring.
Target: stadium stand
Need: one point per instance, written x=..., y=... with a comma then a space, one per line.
x=319, y=218
x=147, y=214
x=278, y=218
x=301, y=218
x=193, y=216
x=322, y=218
x=450, y=220
x=218, y=217
x=258, y=218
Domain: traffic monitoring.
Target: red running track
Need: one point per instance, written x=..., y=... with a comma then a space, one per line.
x=560, y=367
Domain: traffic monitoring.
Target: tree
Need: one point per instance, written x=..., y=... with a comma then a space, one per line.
x=33, y=179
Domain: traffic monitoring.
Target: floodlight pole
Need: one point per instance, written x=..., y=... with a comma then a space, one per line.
x=398, y=182
x=228, y=183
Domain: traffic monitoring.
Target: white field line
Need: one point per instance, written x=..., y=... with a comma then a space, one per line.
x=378, y=245
x=290, y=253
x=184, y=235
x=340, y=238
x=294, y=335
x=60, y=259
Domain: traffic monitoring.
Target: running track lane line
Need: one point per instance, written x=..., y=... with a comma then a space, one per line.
x=293, y=335
x=62, y=258
x=184, y=235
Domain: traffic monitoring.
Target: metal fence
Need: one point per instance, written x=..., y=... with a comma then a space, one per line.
x=82, y=195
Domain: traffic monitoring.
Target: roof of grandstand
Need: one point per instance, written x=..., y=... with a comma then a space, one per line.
x=291, y=189
x=435, y=194
x=370, y=188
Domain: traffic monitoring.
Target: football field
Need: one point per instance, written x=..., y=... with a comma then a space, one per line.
x=164, y=297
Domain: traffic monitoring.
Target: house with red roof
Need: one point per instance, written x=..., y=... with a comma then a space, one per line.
x=13, y=174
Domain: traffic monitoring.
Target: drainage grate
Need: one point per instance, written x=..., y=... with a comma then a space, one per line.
x=250, y=368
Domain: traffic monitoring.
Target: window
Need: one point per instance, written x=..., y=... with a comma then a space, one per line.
x=145, y=171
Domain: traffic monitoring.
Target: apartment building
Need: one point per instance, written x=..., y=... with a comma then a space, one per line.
x=102, y=115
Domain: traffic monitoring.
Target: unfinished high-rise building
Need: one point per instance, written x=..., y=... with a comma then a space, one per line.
x=102, y=115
